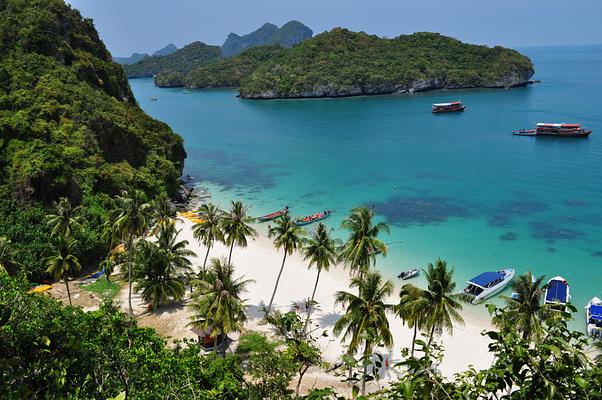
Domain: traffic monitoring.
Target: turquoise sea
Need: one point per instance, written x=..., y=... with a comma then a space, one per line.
x=456, y=186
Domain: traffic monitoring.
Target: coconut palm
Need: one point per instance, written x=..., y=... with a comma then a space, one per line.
x=365, y=319
x=411, y=309
x=176, y=252
x=8, y=264
x=287, y=236
x=132, y=221
x=236, y=227
x=525, y=313
x=64, y=220
x=321, y=251
x=217, y=304
x=163, y=213
x=210, y=229
x=439, y=304
x=360, y=250
x=62, y=262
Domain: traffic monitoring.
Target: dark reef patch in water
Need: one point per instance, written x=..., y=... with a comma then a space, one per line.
x=576, y=203
x=508, y=236
x=551, y=233
x=596, y=253
x=420, y=210
x=551, y=250
x=509, y=210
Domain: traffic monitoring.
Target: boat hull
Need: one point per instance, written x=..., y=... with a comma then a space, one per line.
x=491, y=291
x=303, y=223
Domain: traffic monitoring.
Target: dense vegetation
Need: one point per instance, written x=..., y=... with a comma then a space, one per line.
x=343, y=63
x=69, y=127
x=135, y=57
x=183, y=60
x=288, y=35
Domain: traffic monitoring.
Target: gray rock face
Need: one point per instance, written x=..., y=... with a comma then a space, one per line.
x=288, y=35
x=170, y=48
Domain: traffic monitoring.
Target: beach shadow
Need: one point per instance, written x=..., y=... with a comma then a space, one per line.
x=327, y=320
x=256, y=311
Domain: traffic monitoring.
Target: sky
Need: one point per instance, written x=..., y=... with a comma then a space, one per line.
x=128, y=26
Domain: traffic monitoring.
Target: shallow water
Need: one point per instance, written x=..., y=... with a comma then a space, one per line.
x=455, y=186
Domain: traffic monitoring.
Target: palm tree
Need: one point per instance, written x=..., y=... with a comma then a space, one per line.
x=236, y=228
x=321, y=251
x=439, y=304
x=176, y=252
x=64, y=220
x=525, y=313
x=288, y=236
x=360, y=250
x=131, y=223
x=7, y=256
x=163, y=213
x=365, y=318
x=217, y=304
x=109, y=235
x=210, y=229
x=62, y=261
x=410, y=309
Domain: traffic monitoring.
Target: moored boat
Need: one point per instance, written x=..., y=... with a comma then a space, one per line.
x=593, y=313
x=557, y=293
x=455, y=106
x=275, y=214
x=554, y=129
x=312, y=218
x=487, y=284
x=410, y=273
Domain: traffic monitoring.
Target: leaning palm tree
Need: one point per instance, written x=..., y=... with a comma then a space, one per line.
x=236, y=227
x=210, y=228
x=360, y=250
x=525, y=313
x=321, y=251
x=132, y=221
x=63, y=221
x=62, y=262
x=288, y=236
x=411, y=309
x=439, y=304
x=217, y=304
x=365, y=319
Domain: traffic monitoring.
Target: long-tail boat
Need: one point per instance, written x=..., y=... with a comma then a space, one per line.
x=275, y=214
x=455, y=106
x=312, y=218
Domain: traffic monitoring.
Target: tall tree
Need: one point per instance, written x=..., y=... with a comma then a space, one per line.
x=62, y=262
x=321, y=251
x=210, y=228
x=525, y=313
x=287, y=236
x=236, y=227
x=132, y=221
x=7, y=256
x=163, y=213
x=362, y=246
x=63, y=220
x=411, y=309
x=365, y=319
x=217, y=304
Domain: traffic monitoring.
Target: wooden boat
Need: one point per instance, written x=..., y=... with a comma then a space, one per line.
x=312, y=218
x=410, y=273
x=554, y=129
x=275, y=214
x=557, y=294
x=593, y=314
x=487, y=284
x=455, y=106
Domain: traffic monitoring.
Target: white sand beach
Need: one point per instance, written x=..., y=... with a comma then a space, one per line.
x=260, y=261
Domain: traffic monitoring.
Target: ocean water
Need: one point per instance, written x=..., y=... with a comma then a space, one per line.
x=456, y=186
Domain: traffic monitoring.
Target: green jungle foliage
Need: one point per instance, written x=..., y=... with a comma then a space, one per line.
x=69, y=126
x=169, y=78
x=183, y=60
x=342, y=62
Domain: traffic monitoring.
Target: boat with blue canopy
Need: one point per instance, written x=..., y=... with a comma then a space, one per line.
x=487, y=284
x=557, y=293
x=593, y=313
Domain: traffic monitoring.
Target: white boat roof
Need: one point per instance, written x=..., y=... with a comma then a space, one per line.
x=445, y=104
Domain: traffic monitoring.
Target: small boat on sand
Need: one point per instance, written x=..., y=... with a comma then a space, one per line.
x=410, y=273
x=274, y=215
x=312, y=218
x=554, y=129
x=455, y=106
x=557, y=293
x=487, y=284
x=593, y=314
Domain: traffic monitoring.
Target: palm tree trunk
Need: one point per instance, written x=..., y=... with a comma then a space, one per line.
x=230, y=256
x=414, y=338
x=366, y=348
x=68, y=292
x=206, y=256
x=431, y=334
x=130, y=250
x=215, y=344
x=311, y=302
x=277, y=281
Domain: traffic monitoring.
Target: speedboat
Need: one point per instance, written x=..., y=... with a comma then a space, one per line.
x=410, y=273
x=487, y=284
x=557, y=293
x=514, y=295
x=593, y=313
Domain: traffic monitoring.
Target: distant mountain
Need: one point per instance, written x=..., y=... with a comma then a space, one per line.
x=134, y=58
x=288, y=35
x=167, y=50
x=183, y=60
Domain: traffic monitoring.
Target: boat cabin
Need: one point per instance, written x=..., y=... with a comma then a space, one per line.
x=595, y=317
x=486, y=280
x=557, y=294
x=448, y=107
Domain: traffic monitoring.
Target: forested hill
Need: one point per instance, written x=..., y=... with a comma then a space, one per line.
x=346, y=63
x=288, y=35
x=69, y=127
x=183, y=60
